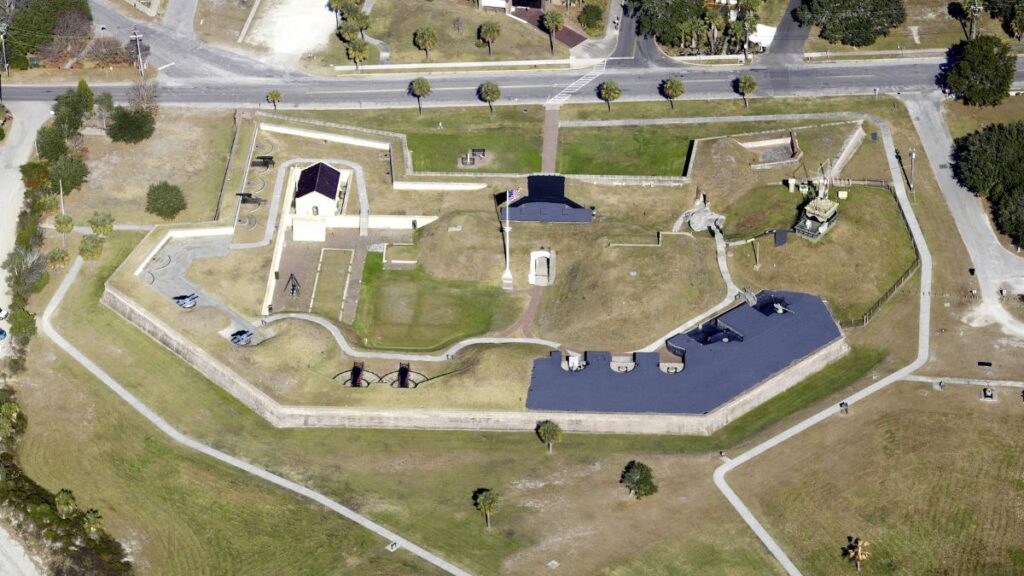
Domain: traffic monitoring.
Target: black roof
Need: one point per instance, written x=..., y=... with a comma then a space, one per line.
x=318, y=178
x=727, y=356
x=546, y=202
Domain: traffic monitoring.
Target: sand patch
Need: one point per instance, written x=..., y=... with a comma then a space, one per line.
x=292, y=28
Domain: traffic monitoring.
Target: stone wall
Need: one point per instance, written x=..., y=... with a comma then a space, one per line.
x=285, y=416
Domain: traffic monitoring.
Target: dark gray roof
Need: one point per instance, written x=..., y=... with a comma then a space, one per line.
x=546, y=202
x=318, y=178
x=727, y=356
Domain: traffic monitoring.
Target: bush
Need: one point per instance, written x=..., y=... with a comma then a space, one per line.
x=35, y=174
x=68, y=172
x=23, y=326
x=592, y=17
x=91, y=247
x=165, y=200
x=3, y=134
x=132, y=126
x=50, y=143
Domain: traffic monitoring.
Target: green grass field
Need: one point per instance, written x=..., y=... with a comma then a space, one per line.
x=931, y=479
x=437, y=138
x=764, y=208
x=411, y=310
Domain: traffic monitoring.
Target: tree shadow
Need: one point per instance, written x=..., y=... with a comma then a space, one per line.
x=957, y=12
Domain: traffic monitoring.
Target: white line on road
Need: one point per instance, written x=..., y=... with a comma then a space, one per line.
x=242, y=465
x=166, y=66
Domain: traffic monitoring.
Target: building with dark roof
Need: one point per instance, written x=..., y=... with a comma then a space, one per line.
x=546, y=202
x=319, y=178
x=721, y=360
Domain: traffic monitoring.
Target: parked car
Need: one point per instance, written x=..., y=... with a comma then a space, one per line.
x=241, y=338
x=187, y=301
x=3, y=335
x=4, y=313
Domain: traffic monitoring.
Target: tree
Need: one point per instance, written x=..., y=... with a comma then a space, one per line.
x=639, y=479
x=92, y=522
x=425, y=39
x=105, y=107
x=856, y=551
x=33, y=26
x=69, y=172
x=489, y=32
x=91, y=247
x=102, y=223
x=63, y=223
x=26, y=271
x=1017, y=21
x=489, y=92
x=50, y=143
x=58, y=258
x=10, y=411
x=592, y=16
x=984, y=72
x=609, y=91
x=987, y=163
x=6, y=431
x=131, y=125
x=661, y=19
x=85, y=96
x=143, y=94
x=359, y=19
x=746, y=85
x=716, y=23
x=549, y=432
x=420, y=89
x=357, y=51
x=553, y=21
x=35, y=175
x=274, y=96
x=672, y=88
x=337, y=6
x=852, y=22
x=165, y=200
x=23, y=325
x=349, y=31
x=65, y=503
x=488, y=502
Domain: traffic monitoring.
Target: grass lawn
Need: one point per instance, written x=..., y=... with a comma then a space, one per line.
x=851, y=266
x=330, y=283
x=964, y=119
x=439, y=136
x=120, y=174
x=395, y=23
x=773, y=11
x=928, y=25
x=764, y=208
x=910, y=470
x=177, y=512
x=238, y=279
x=221, y=21
x=411, y=310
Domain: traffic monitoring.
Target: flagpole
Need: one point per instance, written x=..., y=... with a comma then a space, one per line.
x=506, y=278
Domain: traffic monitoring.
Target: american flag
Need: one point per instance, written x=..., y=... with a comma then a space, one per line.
x=512, y=194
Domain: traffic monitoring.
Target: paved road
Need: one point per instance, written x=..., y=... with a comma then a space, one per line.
x=995, y=267
x=788, y=45
x=174, y=434
x=923, y=336
x=14, y=152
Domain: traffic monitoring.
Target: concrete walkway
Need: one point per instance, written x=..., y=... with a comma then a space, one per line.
x=924, y=331
x=549, y=152
x=174, y=434
x=995, y=266
x=448, y=354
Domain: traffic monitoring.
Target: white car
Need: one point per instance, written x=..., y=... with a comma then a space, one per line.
x=3, y=313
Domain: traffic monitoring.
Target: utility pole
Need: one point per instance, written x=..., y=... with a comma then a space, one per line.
x=63, y=237
x=138, y=49
x=506, y=277
x=913, y=155
x=975, y=9
x=3, y=45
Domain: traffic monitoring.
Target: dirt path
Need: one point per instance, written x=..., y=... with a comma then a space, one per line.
x=549, y=153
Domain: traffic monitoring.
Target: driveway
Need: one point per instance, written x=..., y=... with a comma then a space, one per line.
x=14, y=151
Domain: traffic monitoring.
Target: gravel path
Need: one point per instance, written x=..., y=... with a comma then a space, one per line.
x=174, y=434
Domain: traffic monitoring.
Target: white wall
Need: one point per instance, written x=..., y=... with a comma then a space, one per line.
x=325, y=207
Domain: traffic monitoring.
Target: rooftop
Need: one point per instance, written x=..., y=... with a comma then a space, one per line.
x=546, y=202
x=318, y=178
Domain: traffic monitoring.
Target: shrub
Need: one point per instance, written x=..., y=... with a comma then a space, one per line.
x=132, y=126
x=102, y=223
x=91, y=247
x=50, y=143
x=23, y=325
x=592, y=17
x=165, y=200
x=35, y=174
x=69, y=172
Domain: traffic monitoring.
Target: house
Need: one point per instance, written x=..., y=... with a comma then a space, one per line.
x=546, y=202
x=317, y=192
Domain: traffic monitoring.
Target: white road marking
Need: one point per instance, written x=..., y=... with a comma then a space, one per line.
x=166, y=66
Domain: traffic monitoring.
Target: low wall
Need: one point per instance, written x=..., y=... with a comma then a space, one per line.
x=329, y=136
x=182, y=233
x=441, y=186
x=283, y=416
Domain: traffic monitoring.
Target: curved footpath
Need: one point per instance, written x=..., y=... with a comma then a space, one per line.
x=924, y=331
x=174, y=434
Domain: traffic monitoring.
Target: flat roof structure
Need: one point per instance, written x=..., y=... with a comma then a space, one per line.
x=546, y=202
x=722, y=359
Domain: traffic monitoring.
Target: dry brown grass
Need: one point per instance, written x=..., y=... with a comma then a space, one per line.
x=221, y=21
x=239, y=279
x=120, y=174
x=931, y=479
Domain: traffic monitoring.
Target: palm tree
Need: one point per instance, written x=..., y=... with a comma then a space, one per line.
x=58, y=258
x=64, y=224
x=609, y=91
x=274, y=96
x=487, y=501
x=357, y=51
x=337, y=6
x=672, y=88
x=425, y=39
x=552, y=21
x=489, y=92
x=91, y=521
x=10, y=411
x=549, y=433
x=420, y=88
x=716, y=23
x=691, y=28
x=746, y=86
x=349, y=31
x=489, y=32
x=65, y=503
x=359, y=19
x=102, y=223
x=1017, y=23
x=856, y=551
